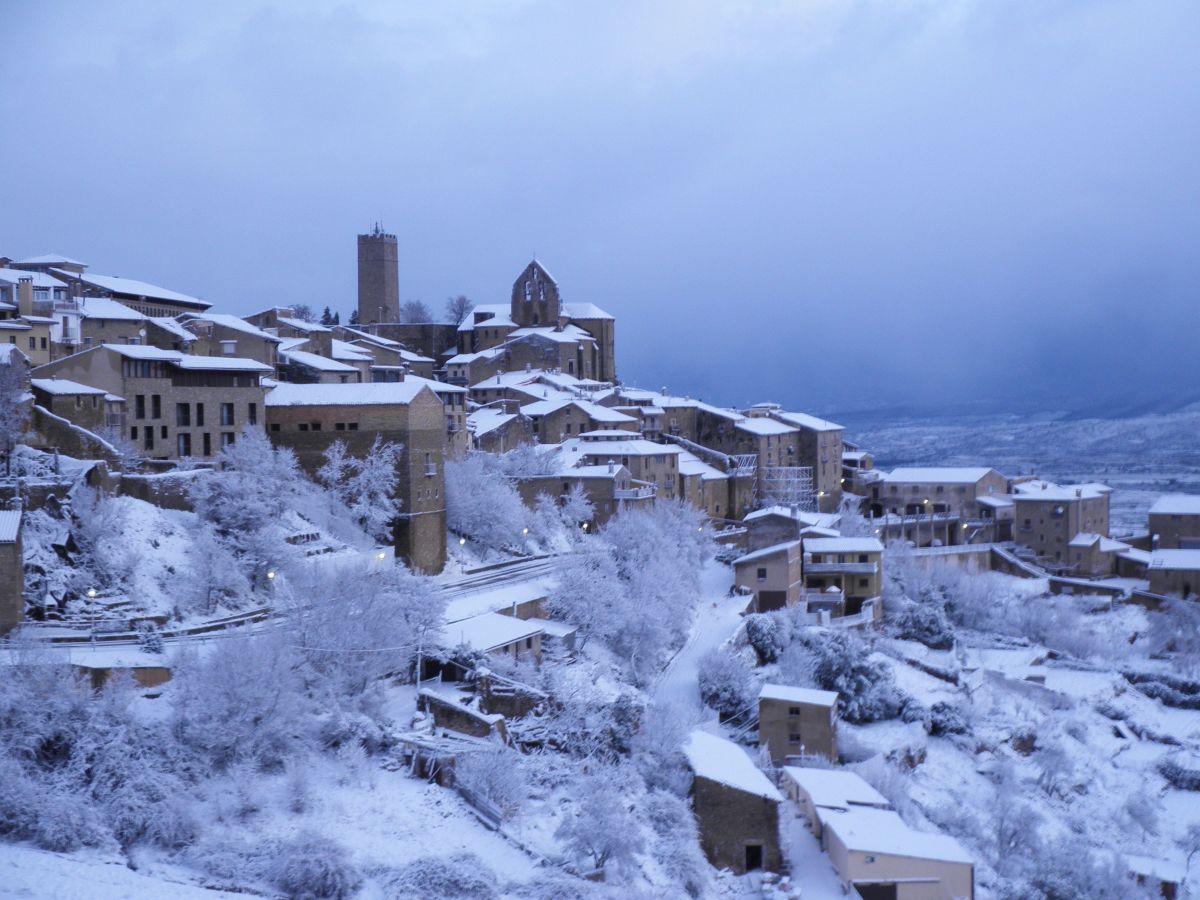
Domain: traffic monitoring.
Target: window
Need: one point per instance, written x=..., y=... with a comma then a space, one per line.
x=762, y=574
x=155, y=407
x=226, y=414
x=183, y=415
x=228, y=348
x=304, y=426
x=339, y=426
x=163, y=430
x=430, y=467
x=274, y=426
x=252, y=414
x=183, y=445
x=33, y=343
x=226, y=438
x=862, y=582
x=353, y=426
x=139, y=406
x=207, y=441
x=43, y=343
x=133, y=433
x=200, y=415
x=148, y=437
x=316, y=426
x=793, y=710
x=793, y=737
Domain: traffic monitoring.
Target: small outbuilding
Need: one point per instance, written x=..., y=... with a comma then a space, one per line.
x=796, y=721
x=1175, y=572
x=736, y=806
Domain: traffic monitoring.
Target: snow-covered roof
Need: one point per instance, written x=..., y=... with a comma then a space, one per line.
x=495, y=315
x=292, y=343
x=857, y=455
x=145, y=351
x=168, y=324
x=584, y=311
x=790, y=694
x=39, y=279
x=761, y=425
x=593, y=411
x=227, y=363
x=726, y=763
x=1184, y=560
x=63, y=387
x=765, y=553
x=8, y=351
x=938, y=475
x=47, y=259
x=485, y=421
x=117, y=285
x=235, y=323
x=810, y=423
x=368, y=394
x=1160, y=869
x=835, y=788
x=572, y=334
x=1048, y=491
x=15, y=325
x=1136, y=555
x=1176, y=505
x=438, y=387
x=316, y=361
x=616, y=443
x=343, y=351
x=805, y=518
x=104, y=308
x=10, y=524
x=488, y=631
x=995, y=502
x=843, y=545
x=691, y=465
x=301, y=325
x=1107, y=545
x=866, y=830
x=372, y=338
x=462, y=359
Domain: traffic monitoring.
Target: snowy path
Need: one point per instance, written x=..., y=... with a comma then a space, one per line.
x=716, y=620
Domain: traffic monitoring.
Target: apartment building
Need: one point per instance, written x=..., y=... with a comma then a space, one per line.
x=556, y=420
x=851, y=565
x=1048, y=516
x=797, y=722
x=177, y=405
x=649, y=463
x=308, y=418
x=222, y=334
x=609, y=488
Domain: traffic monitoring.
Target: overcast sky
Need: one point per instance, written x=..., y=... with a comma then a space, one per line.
x=811, y=202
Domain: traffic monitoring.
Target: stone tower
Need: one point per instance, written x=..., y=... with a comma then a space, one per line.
x=535, y=300
x=378, y=278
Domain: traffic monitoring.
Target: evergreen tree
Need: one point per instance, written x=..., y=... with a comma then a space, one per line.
x=354, y=317
x=326, y=317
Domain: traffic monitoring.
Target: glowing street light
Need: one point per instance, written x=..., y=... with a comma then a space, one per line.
x=524, y=531
x=271, y=576
x=462, y=541
x=381, y=555
x=91, y=593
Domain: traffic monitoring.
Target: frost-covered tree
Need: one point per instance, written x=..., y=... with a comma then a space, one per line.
x=353, y=628
x=494, y=775
x=482, y=504
x=365, y=485
x=726, y=682
x=840, y=661
x=248, y=497
x=768, y=634
x=589, y=593
x=677, y=843
x=602, y=828
x=99, y=529
x=214, y=575
x=303, y=312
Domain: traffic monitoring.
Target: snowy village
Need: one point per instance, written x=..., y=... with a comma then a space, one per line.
x=654, y=450
x=436, y=606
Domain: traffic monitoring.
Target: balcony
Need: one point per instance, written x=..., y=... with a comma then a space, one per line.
x=846, y=568
x=644, y=492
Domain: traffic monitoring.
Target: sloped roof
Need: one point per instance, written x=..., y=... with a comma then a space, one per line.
x=371, y=393
x=235, y=323
x=938, y=474
x=10, y=525
x=104, y=308
x=134, y=288
x=726, y=763
x=47, y=259
x=1177, y=505
x=316, y=361
x=39, y=279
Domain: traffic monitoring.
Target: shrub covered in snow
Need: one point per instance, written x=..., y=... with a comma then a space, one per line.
x=840, y=661
x=601, y=829
x=494, y=775
x=460, y=877
x=767, y=634
x=726, y=682
x=677, y=843
x=312, y=866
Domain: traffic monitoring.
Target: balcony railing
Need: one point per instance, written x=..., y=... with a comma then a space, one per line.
x=644, y=492
x=846, y=568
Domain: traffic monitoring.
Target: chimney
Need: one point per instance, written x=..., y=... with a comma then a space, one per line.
x=25, y=295
x=403, y=372
x=610, y=467
x=1078, y=492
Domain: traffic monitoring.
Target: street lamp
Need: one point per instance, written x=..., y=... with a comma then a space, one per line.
x=271, y=576
x=462, y=541
x=91, y=593
x=524, y=531
x=381, y=555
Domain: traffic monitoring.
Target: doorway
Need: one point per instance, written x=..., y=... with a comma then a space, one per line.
x=876, y=891
x=754, y=857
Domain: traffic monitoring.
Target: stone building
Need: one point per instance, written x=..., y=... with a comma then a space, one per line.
x=649, y=463
x=309, y=417
x=12, y=571
x=852, y=565
x=553, y=421
x=736, y=806
x=773, y=576
x=176, y=405
x=1175, y=522
x=221, y=334
x=796, y=722
x=1175, y=572
x=609, y=488
x=1048, y=516
x=93, y=409
x=378, y=278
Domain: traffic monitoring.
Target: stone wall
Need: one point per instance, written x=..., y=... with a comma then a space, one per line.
x=730, y=820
